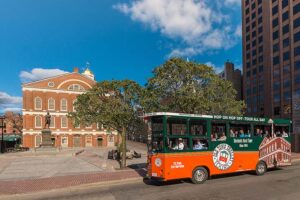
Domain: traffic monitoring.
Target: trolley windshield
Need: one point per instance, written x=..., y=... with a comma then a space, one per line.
x=157, y=128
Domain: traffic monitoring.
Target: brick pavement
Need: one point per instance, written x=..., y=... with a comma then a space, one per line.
x=35, y=185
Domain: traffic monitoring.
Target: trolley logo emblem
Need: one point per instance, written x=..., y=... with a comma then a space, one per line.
x=223, y=156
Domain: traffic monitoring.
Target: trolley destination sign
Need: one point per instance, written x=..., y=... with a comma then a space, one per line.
x=251, y=119
x=218, y=117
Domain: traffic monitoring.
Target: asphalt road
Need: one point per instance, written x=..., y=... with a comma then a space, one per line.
x=276, y=184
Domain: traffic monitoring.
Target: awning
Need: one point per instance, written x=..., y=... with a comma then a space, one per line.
x=10, y=138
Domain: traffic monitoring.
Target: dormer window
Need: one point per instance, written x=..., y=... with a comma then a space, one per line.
x=76, y=87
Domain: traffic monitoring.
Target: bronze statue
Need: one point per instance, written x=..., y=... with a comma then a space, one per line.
x=47, y=120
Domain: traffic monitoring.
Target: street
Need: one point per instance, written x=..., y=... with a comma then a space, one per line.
x=276, y=184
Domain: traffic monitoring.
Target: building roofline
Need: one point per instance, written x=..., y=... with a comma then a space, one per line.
x=68, y=73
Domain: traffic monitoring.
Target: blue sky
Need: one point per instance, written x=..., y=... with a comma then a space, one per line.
x=119, y=38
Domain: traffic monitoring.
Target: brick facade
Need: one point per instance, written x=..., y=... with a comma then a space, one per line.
x=56, y=95
x=275, y=151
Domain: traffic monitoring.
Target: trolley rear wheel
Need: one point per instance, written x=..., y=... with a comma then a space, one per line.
x=261, y=168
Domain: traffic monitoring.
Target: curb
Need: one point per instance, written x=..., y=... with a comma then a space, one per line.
x=78, y=152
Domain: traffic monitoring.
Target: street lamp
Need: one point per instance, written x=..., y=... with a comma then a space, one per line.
x=2, y=124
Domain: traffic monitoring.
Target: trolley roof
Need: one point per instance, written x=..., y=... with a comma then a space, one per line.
x=221, y=117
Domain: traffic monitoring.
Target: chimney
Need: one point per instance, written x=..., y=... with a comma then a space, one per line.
x=76, y=70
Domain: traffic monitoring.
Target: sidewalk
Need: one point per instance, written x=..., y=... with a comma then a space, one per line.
x=295, y=157
x=35, y=185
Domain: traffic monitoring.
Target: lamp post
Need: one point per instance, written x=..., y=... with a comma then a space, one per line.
x=2, y=118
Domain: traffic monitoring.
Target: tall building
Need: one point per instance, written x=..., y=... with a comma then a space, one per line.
x=271, y=57
x=234, y=76
x=57, y=95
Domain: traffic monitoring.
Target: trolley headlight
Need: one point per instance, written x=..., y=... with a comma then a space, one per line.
x=157, y=162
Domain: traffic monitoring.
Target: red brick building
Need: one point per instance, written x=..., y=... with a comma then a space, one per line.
x=275, y=150
x=57, y=95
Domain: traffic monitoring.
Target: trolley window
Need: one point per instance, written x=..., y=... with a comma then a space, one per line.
x=218, y=131
x=240, y=130
x=176, y=126
x=198, y=127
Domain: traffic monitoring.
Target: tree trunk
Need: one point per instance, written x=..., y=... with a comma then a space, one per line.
x=123, y=165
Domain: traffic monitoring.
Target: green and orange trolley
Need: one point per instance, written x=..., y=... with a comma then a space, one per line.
x=199, y=146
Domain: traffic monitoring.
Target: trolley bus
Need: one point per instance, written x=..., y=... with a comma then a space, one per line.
x=199, y=146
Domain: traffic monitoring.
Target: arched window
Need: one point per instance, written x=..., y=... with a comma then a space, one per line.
x=51, y=104
x=64, y=122
x=74, y=110
x=52, y=124
x=38, y=122
x=78, y=126
x=76, y=87
x=63, y=105
x=38, y=140
x=38, y=103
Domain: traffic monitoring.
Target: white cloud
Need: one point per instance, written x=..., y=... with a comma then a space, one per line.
x=218, y=69
x=39, y=73
x=10, y=103
x=232, y=2
x=238, y=31
x=190, y=51
x=196, y=24
x=184, y=19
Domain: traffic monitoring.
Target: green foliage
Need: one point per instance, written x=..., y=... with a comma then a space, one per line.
x=111, y=103
x=176, y=86
x=189, y=87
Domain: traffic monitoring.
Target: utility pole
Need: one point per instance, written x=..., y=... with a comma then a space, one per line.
x=2, y=118
x=124, y=138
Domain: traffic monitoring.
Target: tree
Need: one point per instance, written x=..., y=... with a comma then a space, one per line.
x=189, y=87
x=15, y=121
x=111, y=103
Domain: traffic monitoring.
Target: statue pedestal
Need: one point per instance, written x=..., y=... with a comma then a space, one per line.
x=46, y=138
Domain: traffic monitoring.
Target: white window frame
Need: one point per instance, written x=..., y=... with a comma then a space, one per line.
x=74, y=101
x=37, y=145
x=76, y=87
x=52, y=120
x=61, y=122
x=64, y=144
x=91, y=139
x=35, y=106
x=49, y=104
x=35, y=120
x=61, y=104
x=89, y=126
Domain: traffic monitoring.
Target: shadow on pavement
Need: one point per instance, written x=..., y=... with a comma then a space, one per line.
x=151, y=182
x=140, y=168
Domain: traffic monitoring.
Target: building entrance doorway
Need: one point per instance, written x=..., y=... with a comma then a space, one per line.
x=53, y=141
x=88, y=141
x=76, y=141
x=100, y=141
x=64, y=141
x=38, y=140
x=111, y=140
